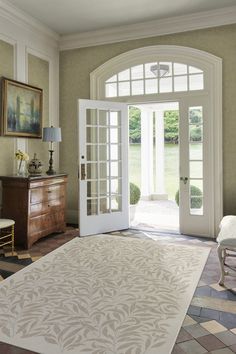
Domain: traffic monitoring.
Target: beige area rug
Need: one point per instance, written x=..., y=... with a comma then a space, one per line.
x=101, y=295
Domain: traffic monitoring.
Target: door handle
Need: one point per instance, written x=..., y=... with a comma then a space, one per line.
x=184, y=179
x=83, y=174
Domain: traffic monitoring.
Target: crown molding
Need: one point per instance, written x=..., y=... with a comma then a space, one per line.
x=177, y=24
x=21, y=18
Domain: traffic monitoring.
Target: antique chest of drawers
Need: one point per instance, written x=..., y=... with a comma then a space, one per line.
x=37, y=204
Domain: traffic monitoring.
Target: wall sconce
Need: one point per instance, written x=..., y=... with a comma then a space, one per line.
x=51, y=134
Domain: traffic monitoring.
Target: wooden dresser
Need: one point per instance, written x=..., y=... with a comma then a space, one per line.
x=37, y=204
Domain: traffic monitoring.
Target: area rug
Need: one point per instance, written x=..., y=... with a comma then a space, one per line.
x=101, y=295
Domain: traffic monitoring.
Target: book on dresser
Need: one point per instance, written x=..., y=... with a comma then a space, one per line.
x=36, y=203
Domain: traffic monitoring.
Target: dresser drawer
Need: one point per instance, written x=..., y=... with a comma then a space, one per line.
x=45, y=194
x=50, y=206
x=41, y=223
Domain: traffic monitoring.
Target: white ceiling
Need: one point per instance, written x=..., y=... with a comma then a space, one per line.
x=76, y=16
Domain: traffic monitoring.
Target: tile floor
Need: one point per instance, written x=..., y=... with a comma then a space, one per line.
x=210, y=322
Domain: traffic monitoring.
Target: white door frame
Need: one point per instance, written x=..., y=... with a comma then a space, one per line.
x=212, y=67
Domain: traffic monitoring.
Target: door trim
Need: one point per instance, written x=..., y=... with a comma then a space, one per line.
x=212, y=67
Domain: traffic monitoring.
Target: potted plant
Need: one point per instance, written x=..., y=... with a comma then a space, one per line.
x=134, y=197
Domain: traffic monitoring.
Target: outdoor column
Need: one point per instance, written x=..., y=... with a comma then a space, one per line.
x=160, y=192
x=146, y=152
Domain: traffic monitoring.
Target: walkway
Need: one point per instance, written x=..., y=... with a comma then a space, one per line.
x=156, y=215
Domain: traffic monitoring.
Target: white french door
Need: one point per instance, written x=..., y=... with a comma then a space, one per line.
x=196, y=205
x=103, y=159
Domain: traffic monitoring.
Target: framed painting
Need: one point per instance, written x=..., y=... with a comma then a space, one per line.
x=21, y=109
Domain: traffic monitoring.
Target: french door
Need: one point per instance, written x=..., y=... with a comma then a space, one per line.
x=103, y=159
x=196, y=205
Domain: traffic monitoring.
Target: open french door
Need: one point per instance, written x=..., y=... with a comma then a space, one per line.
x=103, y=159
x=196, y=205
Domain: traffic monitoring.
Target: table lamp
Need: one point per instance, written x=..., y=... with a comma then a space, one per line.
x=51, y=134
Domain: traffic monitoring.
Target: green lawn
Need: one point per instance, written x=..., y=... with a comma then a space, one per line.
x=171, y=167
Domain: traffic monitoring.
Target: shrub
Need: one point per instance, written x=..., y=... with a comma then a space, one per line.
x=196, y=203
x=134, y=193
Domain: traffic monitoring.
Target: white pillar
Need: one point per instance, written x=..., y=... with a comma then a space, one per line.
x=160, y=192
x=146, y=152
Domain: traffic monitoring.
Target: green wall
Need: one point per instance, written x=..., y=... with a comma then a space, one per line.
x=38, y=75
x=76, y=65
x=6, y=143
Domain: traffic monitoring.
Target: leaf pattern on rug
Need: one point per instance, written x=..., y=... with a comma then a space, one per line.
x=100, y=295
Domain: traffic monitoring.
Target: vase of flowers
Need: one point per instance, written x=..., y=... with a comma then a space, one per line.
x=21, y=157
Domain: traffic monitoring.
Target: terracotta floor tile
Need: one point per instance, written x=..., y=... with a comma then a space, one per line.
x=193, y=347
x=196, y=330
x=183, y=336
x=213, y=327
x=227, y=337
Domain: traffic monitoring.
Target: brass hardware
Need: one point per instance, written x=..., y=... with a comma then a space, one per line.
x=49, y=191
x=83, y=174
x=184, y=179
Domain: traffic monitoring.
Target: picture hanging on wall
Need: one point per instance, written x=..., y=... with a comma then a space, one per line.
x=22, y=107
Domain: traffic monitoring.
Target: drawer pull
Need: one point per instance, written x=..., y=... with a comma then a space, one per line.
x=48, y=205
x=49, y=191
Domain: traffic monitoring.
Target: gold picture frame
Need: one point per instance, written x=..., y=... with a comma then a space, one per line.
x=22, y=107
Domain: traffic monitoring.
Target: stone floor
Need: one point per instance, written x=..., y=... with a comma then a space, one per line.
x=210, y=322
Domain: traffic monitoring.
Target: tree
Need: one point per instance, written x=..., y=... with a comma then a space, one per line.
x=134, y=125
x=171, y=126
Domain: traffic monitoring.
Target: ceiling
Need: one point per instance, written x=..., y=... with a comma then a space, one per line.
x=76, y=16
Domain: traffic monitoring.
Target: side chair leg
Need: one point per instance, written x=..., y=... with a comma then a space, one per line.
x=12, y=238
x=221, y=255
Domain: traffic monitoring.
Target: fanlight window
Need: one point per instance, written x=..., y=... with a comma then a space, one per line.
x=156, y=77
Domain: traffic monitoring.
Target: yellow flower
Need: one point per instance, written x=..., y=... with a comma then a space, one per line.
x=20, y=155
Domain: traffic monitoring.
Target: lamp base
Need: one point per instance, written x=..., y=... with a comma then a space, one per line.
x=51, y=171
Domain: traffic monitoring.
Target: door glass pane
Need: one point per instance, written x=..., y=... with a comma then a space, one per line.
x=195, y=151
x=103, y=152
x=112, y=79
x=196, y=82
x=195, y=115
x=196, y=197
x=116, y=204
x=195, y=132
x=104, y=206
x=104, y=188
x=137, y=87
x=115, y=152
x=193, y=70
x=92, y=190
x=92, y=170
x=103, y=117
x=111, y=90
x=92, y=206
x=180, y=69
x=169, y=64
x=103, y=135
x=115, y=169
x=115, y=135
x=91, y=135
x=151, y=86
x=137, y=72
x=196, y=169
x=124, y=75
x=91, y=116
x=166, y=84
x=180, y=83
x=124, y=88
x=91, y=152
x=104, y=170
x=116, y=186
x=115, y=118
x=148, y=72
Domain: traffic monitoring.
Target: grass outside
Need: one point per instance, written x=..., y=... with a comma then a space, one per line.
x=171, y=158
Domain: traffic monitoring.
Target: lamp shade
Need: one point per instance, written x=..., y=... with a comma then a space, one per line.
x=51, y=134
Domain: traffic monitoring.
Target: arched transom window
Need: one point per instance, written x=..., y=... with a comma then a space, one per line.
x=155, y=77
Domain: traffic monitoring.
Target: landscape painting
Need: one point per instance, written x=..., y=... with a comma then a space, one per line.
x=21, y=109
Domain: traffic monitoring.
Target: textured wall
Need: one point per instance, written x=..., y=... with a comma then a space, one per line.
x=76, y=65
x=6, y=143
x=38, y=75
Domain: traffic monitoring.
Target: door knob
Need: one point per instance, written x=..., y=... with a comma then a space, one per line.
x=184, y=179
